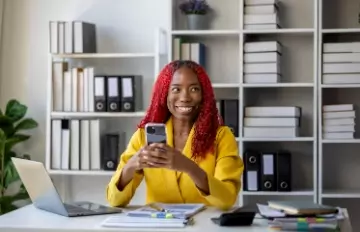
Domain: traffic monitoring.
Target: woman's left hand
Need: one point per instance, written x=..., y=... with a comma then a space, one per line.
x=173, y=158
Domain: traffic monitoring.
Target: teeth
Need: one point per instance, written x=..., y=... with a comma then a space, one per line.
x=185, y=109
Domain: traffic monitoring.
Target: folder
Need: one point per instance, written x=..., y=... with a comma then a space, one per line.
x=131, y=93
x=252, y=171
x=100, y=93
x=113, y=93
x=268, y=172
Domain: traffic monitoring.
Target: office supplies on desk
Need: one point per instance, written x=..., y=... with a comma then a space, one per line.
x=280, y=220
x=44, y=195
x=171, y=210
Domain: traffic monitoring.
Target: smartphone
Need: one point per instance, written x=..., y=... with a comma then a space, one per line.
x=155, y=133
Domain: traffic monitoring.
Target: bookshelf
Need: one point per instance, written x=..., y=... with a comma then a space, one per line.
x=318, y=172
x=298, y=87
x=338, y=157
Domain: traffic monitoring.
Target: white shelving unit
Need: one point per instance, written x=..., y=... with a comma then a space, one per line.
x=158, y=58
x=224, y=63
x=339, y=158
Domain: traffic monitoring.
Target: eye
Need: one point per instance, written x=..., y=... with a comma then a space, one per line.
x=175, y=89
x=194, y=89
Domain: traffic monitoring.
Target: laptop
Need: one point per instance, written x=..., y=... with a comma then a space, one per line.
x=45, y=196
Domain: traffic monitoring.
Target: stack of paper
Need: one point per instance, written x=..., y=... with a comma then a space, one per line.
x=143, y=222
x=261, y=14
x=279, y=220
x=338, y=121
x=272, y=121
x=341, y=63
x=262, y=62
x=156, y=215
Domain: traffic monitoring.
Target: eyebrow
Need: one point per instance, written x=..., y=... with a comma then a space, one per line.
x=190, y=84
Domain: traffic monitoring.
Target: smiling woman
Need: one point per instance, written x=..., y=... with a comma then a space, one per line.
x=200, y=162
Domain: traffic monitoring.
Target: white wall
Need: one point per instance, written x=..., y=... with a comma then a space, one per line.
x=123, y=26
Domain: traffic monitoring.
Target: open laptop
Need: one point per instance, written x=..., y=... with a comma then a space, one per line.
x=45, y=196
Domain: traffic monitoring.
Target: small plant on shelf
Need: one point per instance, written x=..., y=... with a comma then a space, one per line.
x=12, y=124
x=196, y=12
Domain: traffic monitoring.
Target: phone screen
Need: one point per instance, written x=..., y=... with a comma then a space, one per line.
x=155, y=133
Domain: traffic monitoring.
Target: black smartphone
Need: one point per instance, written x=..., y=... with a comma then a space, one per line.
x=155, y=133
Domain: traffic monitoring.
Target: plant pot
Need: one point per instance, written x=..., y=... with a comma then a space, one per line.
x=196, y=22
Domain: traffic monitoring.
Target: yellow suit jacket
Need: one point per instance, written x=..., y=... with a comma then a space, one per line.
x=224, y=170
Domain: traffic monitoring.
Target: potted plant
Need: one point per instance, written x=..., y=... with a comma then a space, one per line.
x=196, y=12
x=12, y=124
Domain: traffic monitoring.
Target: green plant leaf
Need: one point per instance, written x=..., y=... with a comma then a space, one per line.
x=6, y=125
x=10, y=174
x=15, y=139
x=7, y=202
x=15, y=110
x=1, y=113
x=26, y=124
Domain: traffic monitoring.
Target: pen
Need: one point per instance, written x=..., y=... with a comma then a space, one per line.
x=158, y=208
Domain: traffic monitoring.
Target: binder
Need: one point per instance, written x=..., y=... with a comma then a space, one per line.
x=252, y=168
x=283, y=173
x=113, y=93
x=131, y=93
x=268, y=172
x=100, y=93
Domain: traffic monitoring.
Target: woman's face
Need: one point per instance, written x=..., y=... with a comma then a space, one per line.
x=184, y=97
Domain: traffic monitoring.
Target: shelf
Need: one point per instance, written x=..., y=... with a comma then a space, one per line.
x=339, y=86
x=225, y=85
x=96, y=114
x=341, y=194
x=268, y=193
x=103, y=55
x=340, y=141
x=206, y=32
x=281, y=31
x=277, y=85
x=297, y=139
x=81, y=172
x=340, y=30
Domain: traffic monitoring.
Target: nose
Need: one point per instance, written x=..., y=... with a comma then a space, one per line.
x=185, y=96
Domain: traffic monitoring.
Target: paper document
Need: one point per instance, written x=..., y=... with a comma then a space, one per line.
x=142, y=222
x=266, y=211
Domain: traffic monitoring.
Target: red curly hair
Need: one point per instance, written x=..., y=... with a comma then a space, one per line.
x=208, y=120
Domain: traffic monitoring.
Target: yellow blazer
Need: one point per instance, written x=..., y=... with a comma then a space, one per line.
x=224, y=170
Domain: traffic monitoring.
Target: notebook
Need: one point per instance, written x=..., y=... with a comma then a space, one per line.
x=184, y=211
x=125, y=221
x=302, y=207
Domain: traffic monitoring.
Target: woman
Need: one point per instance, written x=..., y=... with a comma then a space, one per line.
x=200, y=163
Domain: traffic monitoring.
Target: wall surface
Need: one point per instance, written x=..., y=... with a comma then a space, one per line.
x=122, y=26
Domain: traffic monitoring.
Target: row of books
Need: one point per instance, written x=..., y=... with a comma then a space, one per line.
x=262, y=62
x=261, y=14
x=341, y=63
x=272, y=121
x=84, y=145
x=78, y=89
x=338, y=121
x=184, y=50
x=72, y=37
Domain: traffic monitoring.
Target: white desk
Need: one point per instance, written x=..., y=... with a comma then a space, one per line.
x=30, y=219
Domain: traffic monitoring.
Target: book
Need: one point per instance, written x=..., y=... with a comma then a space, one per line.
x=302, y=207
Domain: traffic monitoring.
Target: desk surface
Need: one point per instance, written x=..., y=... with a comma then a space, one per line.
x=31, y=219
